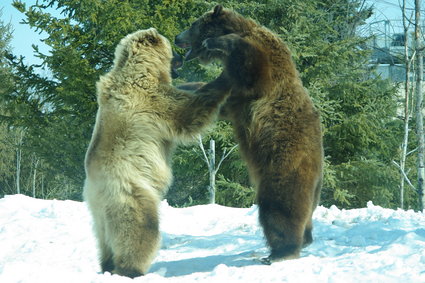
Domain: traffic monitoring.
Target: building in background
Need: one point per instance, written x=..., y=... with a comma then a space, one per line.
x=387, y=44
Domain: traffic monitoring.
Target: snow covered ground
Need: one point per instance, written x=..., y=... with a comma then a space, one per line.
x=52, y=241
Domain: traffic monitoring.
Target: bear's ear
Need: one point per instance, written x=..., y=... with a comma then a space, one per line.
x=150, y=39
x=217, y=10
x=122, y=53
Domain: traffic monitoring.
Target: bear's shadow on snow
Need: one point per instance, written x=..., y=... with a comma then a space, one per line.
x=237, y=258
x=202, y=264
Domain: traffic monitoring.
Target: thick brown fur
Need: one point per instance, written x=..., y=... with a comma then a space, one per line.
x=274, y=120
x=140, y=119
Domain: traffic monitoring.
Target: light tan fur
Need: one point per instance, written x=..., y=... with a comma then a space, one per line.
x=139, y=120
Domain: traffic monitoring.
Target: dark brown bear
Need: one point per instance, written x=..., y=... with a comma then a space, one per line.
x=274, y=121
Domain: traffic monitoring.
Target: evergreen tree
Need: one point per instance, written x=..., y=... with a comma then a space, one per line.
x=358, y=109
x=5, y=69
x=58, y=109
x=7, y=154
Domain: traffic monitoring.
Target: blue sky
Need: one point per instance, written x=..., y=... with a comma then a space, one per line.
x=24, y=37
x=389, y=9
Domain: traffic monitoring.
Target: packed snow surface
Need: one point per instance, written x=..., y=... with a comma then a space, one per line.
x=52, y=241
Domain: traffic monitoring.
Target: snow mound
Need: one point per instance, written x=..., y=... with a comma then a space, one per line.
x=52, y=241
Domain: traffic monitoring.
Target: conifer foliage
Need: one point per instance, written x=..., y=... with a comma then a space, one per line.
x=57, y=106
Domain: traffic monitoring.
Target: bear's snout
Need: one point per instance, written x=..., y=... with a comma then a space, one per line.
x=182, y=40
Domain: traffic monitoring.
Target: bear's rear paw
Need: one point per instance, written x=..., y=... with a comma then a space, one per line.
x=286, y=253
x=272, y=258
x=266, y=261
x=132, y=273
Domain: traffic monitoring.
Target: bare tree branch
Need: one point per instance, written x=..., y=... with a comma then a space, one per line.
x=224, y=156
x=404, y=174
x=203, y=149
x=412, y=151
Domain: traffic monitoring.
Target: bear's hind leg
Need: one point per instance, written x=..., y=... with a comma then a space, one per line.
x=99, y=221
x=283, y=220
x=133, y=230
x=284, y=236
x=308, y=235
x=106, y=259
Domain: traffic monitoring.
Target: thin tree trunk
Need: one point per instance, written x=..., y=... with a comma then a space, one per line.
x=210, y=160
x=404, y=144
x=42, y=187
x=419, y=101
x=18, y=160
x=18, y=170
x=212, y=168
x=34, y=177
x=212, y=171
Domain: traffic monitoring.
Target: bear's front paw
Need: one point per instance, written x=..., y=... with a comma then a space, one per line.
x=215, y=48
x=225, y=43
x=210, y=44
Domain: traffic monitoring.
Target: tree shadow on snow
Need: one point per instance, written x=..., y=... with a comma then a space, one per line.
x=203, y=264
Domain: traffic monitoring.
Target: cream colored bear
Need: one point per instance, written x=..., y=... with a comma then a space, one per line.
x=139, y=120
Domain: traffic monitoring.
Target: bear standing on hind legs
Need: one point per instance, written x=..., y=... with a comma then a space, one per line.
x=274, y=120
x=140, y=119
